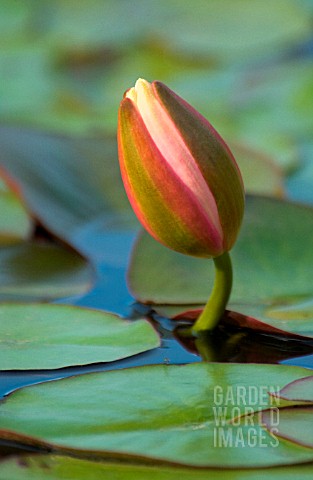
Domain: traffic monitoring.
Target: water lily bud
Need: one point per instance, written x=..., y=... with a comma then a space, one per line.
x=180, y=177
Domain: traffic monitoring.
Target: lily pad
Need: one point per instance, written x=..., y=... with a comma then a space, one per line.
x=272, y=261
x=291, y=424
x=57, y=467
x=69, y=179
x=167, y=413
x=15, y=223
x=297, y=392
x=42, y=270
x=36, y=336
x=287, y=317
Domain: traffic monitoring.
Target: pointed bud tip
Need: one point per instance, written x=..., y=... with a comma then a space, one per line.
x=131, y=94
x=140, y=86
x=141, y=82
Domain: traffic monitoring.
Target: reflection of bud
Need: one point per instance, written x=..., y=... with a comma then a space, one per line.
x=181, y=178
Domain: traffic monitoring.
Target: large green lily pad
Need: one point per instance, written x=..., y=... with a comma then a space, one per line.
x=272, y=261
x=298, y=392
x=36, y=336
x=57, y=467
x=293, y=424
x=168, y=413
x=42, y=270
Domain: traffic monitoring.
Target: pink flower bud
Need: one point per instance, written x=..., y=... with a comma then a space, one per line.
x=180, y=177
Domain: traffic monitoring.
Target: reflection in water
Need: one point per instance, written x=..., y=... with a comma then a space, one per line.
x=240, y=346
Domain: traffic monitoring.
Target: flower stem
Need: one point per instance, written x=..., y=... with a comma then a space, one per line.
x=215, y=307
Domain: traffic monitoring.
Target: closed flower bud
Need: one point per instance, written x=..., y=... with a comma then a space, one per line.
x=180, y=177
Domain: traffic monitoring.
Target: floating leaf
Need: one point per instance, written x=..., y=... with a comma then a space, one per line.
x=36, y=336
x=297, y=392
x=42, y=270
x=160, y=412
x=283, y=317
x=291, y=424
x=272, y=261
x=56, y=467
x=78, y=181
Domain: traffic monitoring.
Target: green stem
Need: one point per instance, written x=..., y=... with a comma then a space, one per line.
x=215, y=307
x=206, y=347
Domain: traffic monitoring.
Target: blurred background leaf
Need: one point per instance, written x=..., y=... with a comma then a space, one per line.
x=245, y=64
x=66, y=182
